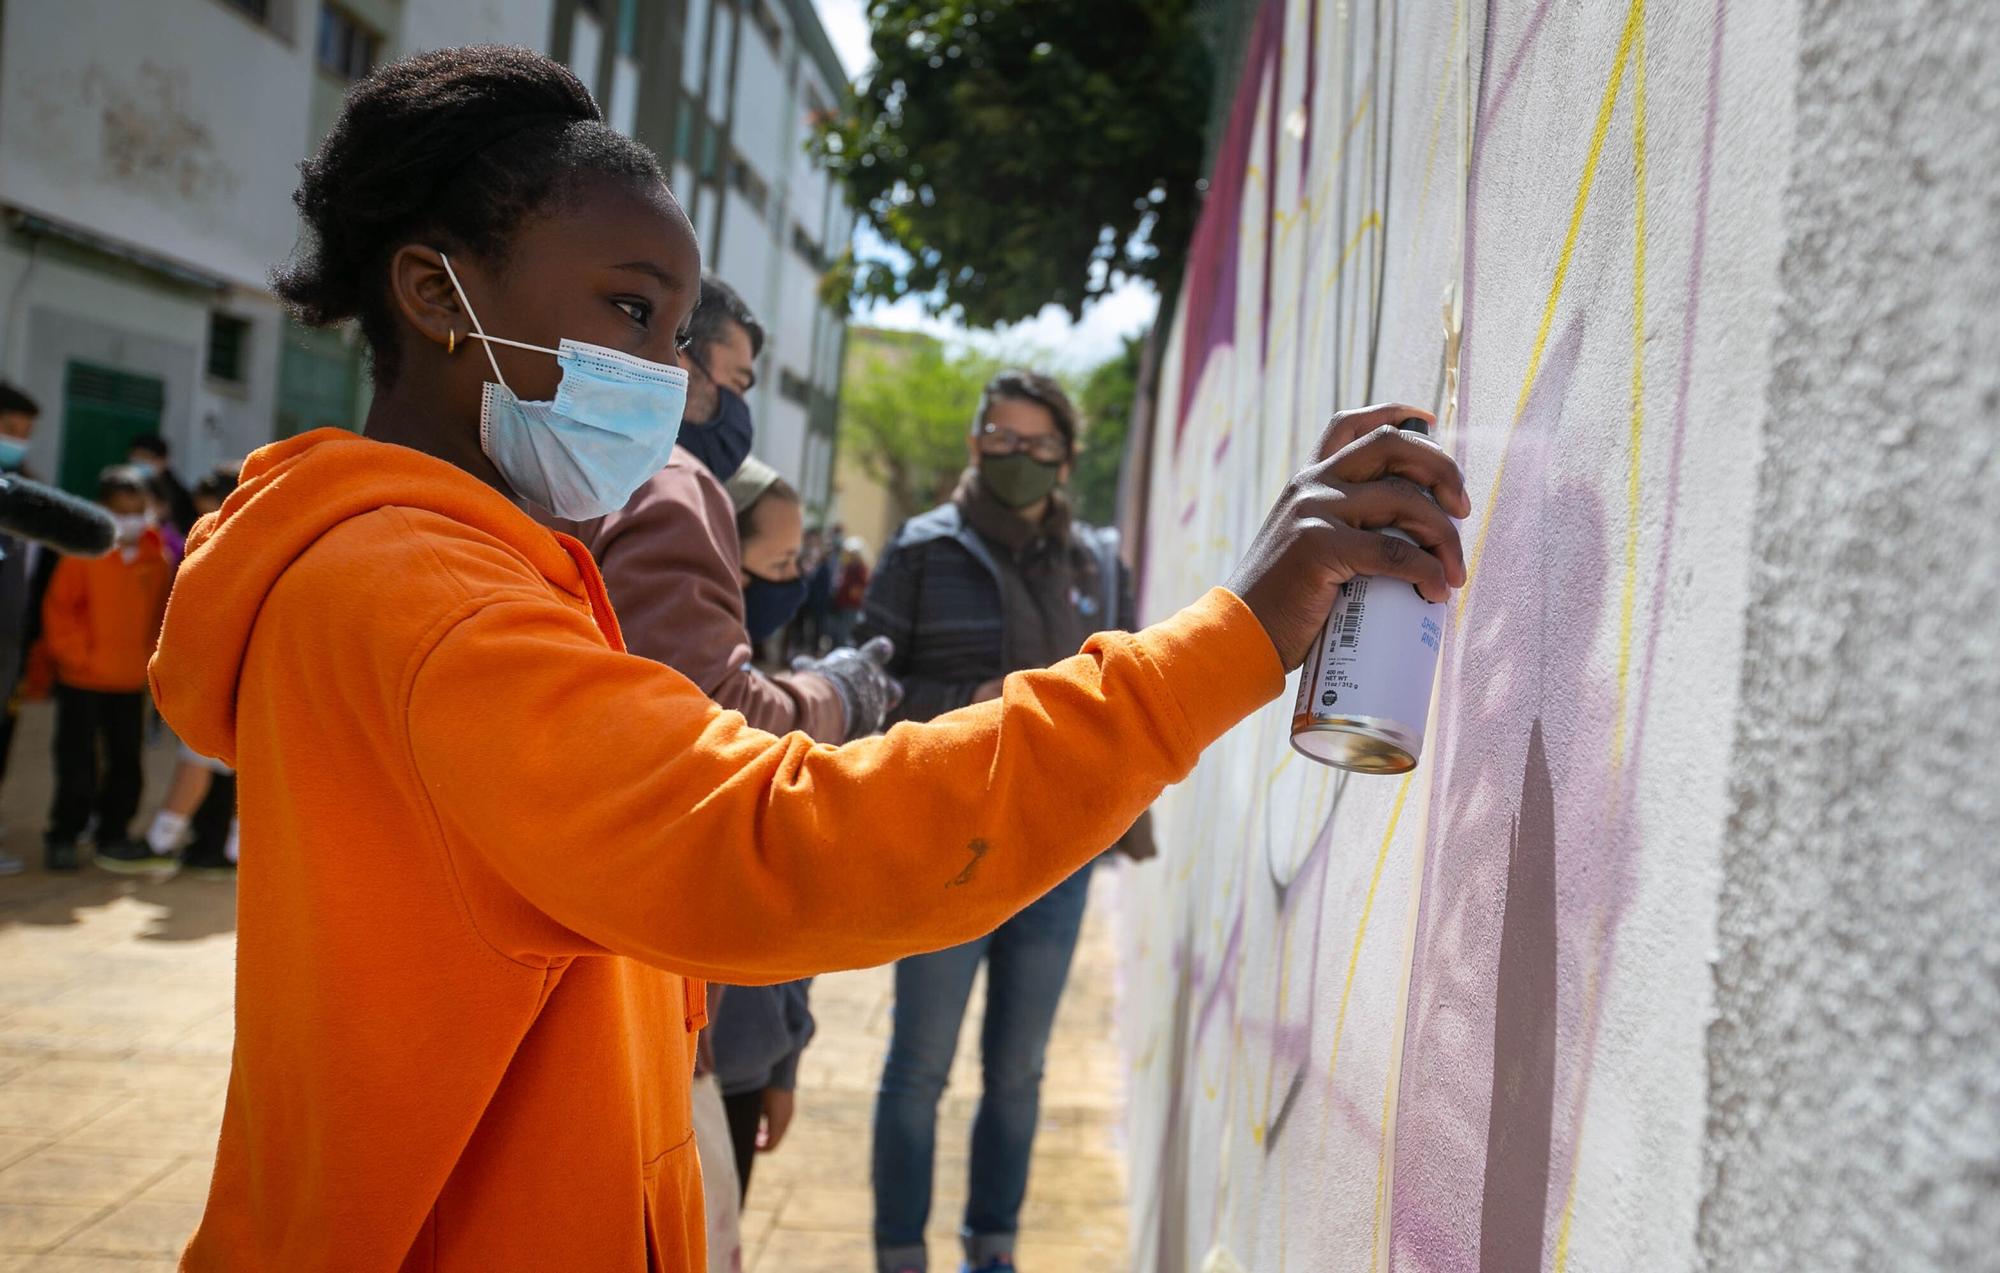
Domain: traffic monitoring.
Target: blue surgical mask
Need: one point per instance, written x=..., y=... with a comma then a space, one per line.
x=724, y=442
x=13, y=454
x=769, y=604
x=611, y=425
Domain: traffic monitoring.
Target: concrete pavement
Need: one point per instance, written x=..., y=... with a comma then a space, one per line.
x=115, y=1029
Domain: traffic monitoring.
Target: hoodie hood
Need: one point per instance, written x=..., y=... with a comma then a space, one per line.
x=292, y=493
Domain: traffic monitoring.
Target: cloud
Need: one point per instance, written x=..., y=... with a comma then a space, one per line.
x=1067, y=345
x=846, y=23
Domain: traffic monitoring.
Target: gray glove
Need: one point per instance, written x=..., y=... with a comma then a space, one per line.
x=867, y=691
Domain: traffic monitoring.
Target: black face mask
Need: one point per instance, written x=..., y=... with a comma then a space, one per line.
x=723, y=443
x=769, y=604
x=1020, y=479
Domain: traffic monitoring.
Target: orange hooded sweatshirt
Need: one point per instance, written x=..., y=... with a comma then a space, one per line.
x=486, y=854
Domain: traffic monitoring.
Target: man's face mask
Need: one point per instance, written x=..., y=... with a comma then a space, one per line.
x=723, y=443
x=13, y=454
x=610, y=426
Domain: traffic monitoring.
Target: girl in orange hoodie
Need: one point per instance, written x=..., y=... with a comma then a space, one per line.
x=489, y=857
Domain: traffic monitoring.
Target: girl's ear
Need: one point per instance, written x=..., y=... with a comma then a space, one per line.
x=422, y=293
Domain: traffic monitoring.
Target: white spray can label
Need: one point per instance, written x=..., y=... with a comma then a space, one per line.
x=1365, y=691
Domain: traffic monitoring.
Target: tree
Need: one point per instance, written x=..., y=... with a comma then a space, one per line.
x=1023, y=152
x=1106, y=403
x=906, y=406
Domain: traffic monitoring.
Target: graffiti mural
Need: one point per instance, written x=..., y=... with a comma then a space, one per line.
x=1453, y=1021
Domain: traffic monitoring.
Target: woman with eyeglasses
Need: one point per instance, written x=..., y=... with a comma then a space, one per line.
x=1000, y=579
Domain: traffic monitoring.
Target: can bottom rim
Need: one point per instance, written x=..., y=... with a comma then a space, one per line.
x=1364, y=744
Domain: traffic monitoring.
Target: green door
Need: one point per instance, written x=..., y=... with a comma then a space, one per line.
x=103, y=410
x=319, y=382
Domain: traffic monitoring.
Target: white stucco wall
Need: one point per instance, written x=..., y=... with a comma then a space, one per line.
x=437, y=24
x=762, y=96
x=1679, y=950
x=113, y=116
x=1853, y=1100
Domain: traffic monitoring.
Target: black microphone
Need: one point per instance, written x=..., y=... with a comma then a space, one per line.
x=30, y=510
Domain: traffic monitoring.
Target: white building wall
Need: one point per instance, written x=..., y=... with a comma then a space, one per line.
x=781, y=435
x=761, y=94
x=694, y=40
x=437, y=24
x=746, y=262
x=1678, y=949
x=797, y=306
x=176, y=124
x=718, y=74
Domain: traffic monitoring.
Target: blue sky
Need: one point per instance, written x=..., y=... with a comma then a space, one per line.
x=1126, y=310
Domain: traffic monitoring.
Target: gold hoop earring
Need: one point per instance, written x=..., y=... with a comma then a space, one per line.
x=451, y=342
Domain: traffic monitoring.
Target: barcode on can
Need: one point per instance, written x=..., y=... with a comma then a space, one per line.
x=1350, y=622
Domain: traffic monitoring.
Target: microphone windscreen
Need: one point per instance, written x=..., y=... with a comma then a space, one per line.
x=46, y=515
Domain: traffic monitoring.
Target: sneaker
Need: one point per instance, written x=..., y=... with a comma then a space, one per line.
x=129, y=857
x=165, y=834
x=998, y=1264
x=59, y=855
x=209, y=868
x=11, y=865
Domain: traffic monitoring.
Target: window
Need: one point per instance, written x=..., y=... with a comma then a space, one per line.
x=803, y=244
x=711, y=138
x=767, y=25
x=228, y=346
x=628, y=28
x=750, y=185
x=346, y=47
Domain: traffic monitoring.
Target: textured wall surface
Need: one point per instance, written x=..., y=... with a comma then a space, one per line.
x=1676, y=949
x=134, y=134
x=1854, y=1064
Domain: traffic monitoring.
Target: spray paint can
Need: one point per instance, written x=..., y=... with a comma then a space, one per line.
x=1365, y=691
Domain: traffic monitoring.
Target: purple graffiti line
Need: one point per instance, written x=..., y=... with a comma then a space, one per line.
x=1513, y=1209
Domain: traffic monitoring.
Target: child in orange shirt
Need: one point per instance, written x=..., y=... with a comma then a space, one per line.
x=101, y=619
x=493, y=857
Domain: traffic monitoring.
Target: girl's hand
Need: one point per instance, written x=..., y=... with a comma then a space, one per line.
x=1369, y=475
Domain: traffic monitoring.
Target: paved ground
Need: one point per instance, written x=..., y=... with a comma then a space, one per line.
x=114, y=1050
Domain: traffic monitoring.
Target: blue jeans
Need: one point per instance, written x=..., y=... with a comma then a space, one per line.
x=1027, y=961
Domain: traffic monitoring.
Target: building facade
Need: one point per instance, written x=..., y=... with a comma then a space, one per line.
x=148, y=154
x=726, y=91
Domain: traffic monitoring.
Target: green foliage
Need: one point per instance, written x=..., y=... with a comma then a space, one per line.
x=1024, y=152
x=1105, y=400
x=906, y=406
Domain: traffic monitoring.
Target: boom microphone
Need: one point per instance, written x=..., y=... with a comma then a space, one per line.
x=46, y=515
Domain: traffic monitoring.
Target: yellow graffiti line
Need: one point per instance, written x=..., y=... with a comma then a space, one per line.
x=1560, y=1259
x=1445, y=82
x=1638, y=391
x=1382, y=1173
x=1373, y=221
x=1392, y=1081
x=1361, y=930
x=1633, y=18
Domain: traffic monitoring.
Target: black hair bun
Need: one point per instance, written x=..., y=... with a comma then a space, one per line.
x=458, y=147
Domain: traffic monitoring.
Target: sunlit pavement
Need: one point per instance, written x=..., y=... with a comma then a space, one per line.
x=115, y=1030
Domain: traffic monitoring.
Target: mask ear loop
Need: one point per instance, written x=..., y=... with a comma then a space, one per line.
x=479, y=332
